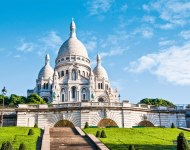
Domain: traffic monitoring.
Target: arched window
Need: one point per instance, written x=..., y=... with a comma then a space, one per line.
x=83, y=94
x=83, y=73
x=73, y=89
x=63, y=95
x=62, y=73
x=44, y=86
x=100, y=99
x=74, y=75
x=99, y=86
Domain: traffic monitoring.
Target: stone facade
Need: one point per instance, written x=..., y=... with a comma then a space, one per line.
x=73, y=79
x=124, y=115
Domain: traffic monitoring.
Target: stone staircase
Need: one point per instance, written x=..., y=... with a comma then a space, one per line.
x=63, y=138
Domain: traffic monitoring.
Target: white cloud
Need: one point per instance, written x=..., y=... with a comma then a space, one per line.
x=90, y=40
x=17, y=56
x=96, y=7
x=51, y=41
x=166, y=42
x=173, y=12
x=145, y=32
x=149, y=19
x=185, y=34
x=171, y=64
x=25, y=46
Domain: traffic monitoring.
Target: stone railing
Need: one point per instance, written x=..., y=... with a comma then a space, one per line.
x=99, y=104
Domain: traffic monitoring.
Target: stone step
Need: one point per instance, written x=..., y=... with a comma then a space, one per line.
x=69, y=139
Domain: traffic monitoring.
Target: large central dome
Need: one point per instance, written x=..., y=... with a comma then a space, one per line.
x=72, y=46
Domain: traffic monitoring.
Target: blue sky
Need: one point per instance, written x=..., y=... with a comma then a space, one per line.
x=144, y=45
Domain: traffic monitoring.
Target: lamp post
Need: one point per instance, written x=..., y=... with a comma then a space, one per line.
x=4, y=92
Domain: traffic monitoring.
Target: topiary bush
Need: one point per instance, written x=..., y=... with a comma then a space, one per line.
x=35, y=125
x=22, y=146
x=86, y=125
x=6, y=146
x=103, y=134
x=173, y=125
x=181, y=142
x=98, y=134
x=31, y=132
x=131, y=147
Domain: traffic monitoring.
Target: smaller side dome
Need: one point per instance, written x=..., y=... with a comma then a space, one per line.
x=47, y=71
x=99, y=71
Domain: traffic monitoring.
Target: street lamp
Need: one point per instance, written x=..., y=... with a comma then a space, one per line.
x=4, y=92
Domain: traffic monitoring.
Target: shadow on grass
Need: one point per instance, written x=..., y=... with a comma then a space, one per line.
x=141, y=147
x=39, y=141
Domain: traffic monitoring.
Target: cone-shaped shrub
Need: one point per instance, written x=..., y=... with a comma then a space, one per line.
x=86, y=125
x=181, y=142
x=6, y=146
x=103, y=134
x=131, y=147
x=31, y=132
x=98, y=134
x=22, y=146
x=173, y=125
x=35, y=126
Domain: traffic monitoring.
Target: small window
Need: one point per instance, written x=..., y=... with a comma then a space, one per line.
x=99, y=86
x=78, y=58
x=62, y=59
x=58, y=61
x=67, y=58
x=67, y=72
x=83, y=73
x=62, y=73
x=79, y=71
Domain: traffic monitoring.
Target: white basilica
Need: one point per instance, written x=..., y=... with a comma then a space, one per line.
x=72, y=79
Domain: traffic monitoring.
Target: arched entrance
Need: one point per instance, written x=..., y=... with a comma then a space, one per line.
x=106, y=122
x=146, y=123
x=64, y=123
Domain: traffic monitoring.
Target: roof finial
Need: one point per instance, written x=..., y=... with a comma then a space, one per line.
x=47, y=59
x=72, y=28
x=98, y=59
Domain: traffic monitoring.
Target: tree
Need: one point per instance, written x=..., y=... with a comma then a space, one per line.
x=97, y=134
x=86, y=125
x=15, y=99
x=131, y=147
x=173, y=125
x=181, y=142
x=6, y=146
x=22, y=146
x=35, y=125
x=35, y=99
x=188, y=106
x=6, y=100
x=103, y=134
x=156, y=102
x=31, y=132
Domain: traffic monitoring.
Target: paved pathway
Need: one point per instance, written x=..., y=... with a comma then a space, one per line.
x=69, y=139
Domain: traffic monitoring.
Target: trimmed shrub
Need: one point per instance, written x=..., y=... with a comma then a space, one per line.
x=98, y=134
x=22, y=146
x=131, y=147
x=6, y=146
x=181, y=142
x=35, y=126
x=112, y=127
x=103, y=134
x=86, y=125
x=173, y=125
x=31, y=132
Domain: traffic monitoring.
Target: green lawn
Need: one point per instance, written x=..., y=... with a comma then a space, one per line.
x=16, y=135
x=142, y=138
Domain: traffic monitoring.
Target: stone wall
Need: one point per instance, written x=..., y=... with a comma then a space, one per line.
x=123, y=116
